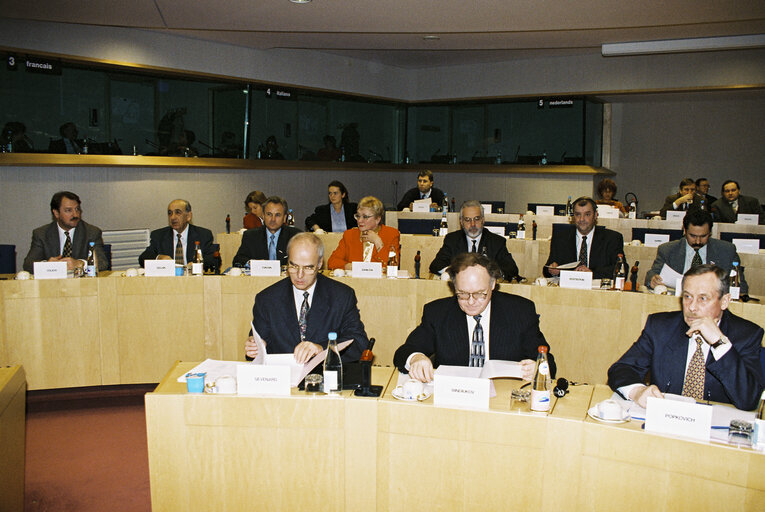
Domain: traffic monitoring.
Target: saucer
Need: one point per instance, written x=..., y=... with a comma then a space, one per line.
x=398, y=394
x=593, y=413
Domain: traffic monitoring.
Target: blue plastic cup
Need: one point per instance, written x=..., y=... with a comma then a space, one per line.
x=195, y=382
x=179, y=270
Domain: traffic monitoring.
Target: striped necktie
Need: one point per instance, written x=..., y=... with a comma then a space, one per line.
x=477, y=348
x=179, y=251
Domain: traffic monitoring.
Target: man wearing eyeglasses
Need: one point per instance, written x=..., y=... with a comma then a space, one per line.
x=478, y=323
x=473, y=237
x=67, y=238
x=267, y=242
x=296, y=314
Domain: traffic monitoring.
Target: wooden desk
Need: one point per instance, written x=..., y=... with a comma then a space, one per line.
x=303, y=452
x=13, y=394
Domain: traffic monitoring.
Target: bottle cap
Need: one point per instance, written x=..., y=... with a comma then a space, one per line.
x=332, y=336
x=542, y=349
x=92, y=244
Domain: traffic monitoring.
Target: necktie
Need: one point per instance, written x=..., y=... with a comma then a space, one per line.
x=179, y=251
x=694, y=377
x=474, y=249
x=734, y=206
x=272, y=248
x=67, y=251
x=302, y=321
x=696, y=259
x=477, y=349
x=583, y=252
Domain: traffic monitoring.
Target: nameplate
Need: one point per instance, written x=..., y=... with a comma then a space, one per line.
x=546, y=210
x=497, y=230
x=747, y=246
x=366, y=269
x=421, y=205
x=676, y=418
x=258, y=379
x=674, y=216
x=655, y=239
x=574, y=279
x=606, y=211
x=265, y=268
x=486, y=208
x=460, y=386
x=159, y=268
x=748, y=218
x=50, y=269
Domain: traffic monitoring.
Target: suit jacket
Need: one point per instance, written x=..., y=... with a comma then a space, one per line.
x=59, y=146
x=161, y=241
x=443, y=333
x=413, y=194
x=722, y=211
x=662, y=351
x=255, y=245
x=46, y=244
x=351, y=249
x=695, y=205
x=606, y=246
x=494, y=246
x=323, y=217
x=719, y=252
x=333, y=309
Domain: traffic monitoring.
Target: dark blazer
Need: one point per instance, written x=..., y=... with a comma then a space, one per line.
x=333, y=309
x=719, y=252
x=323, y=218
x=59, y=146
x=662, y=351
x=46, y=244
x=443, y=333
x=255, y=245
x=494, y=246
x=606, y=246
x=722, y=211
x=695, y=205
x=412, y=195
x=161, y=242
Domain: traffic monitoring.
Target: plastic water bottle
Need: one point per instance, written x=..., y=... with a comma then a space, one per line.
x=540, y=386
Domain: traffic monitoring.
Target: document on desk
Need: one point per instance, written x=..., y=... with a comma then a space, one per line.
x=566, y=266
x=669, y=276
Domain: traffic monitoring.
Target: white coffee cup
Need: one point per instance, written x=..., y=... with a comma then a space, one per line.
x=131, y=272
x=23, y=275
x=225, y=384
x=541, y=281
x=610, y=410
x=445, y=276
x=338, y=272
x=319, y=231
x=412, y=389
x=235, y=271
x=660, y=289
x=637, y=243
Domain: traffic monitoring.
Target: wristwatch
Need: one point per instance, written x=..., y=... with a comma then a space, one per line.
x=719, y=343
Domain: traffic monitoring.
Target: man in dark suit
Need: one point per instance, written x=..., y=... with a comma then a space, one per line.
x=267, y=242
x=68, y=142
x=178, y=240
x=473, y=237
x=595, y=248
x=680, y=255
x=727, y=208
x=705, y=351
x=685, y=200
x=423, y=190
x=67, y=238
x=296, y=314
x=702, y=189
x=476, y=324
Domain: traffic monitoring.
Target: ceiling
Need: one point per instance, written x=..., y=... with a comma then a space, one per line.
x=391, y=32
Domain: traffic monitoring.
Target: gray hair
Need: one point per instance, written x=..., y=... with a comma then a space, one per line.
x=310, y=239
x=471, y=203
x=722, y=275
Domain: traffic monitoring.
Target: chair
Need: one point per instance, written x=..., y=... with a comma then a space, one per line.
x=639, y=233
x=108, y=254
x=7, y=259
x=762, y=359
x=418, y=226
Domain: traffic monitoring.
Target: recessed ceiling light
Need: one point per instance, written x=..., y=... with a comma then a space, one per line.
x=300, y=1
x=431, y=38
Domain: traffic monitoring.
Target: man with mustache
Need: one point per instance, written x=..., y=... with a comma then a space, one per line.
x=695, y=248
x=67, y=238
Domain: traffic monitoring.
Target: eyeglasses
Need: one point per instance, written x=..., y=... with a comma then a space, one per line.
x=295, y=269
x=475, y=295
x=473, y=220
x=365, y=217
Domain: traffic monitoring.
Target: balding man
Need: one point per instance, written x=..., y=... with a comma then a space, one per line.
x=178, y=240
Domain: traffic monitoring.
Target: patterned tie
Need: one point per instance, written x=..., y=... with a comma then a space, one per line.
x=694, y=377
x=474, y=249
x=272, y=248
x=67, y=251
x=477, y=349
x=696, y=259
x=734, y=206
x=583, y=252
x=302, y=321
x=179, y=251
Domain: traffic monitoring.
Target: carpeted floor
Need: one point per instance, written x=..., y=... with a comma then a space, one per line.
x=86, y=454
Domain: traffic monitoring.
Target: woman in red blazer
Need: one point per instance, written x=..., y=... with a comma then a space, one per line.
x=371, y=241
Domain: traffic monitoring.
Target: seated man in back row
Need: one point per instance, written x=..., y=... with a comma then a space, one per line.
x=177, y=241
x=267, y=242
x=596, y=249
x=473, y=237
x=477, y=324
x=705, y=351
x=727, y=208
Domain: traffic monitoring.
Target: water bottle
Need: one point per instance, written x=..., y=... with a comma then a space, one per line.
x=333, y=366
x=91, y=267
x=540, y=385
x=735, y=283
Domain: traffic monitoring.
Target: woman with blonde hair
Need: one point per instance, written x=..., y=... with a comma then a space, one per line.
x=370, y=241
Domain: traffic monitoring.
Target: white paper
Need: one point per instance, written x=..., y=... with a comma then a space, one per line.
x=486, y=208
x=678, y=418
x=747, y=246
x=748, y=218
x=265, y=268
x=421, y=205
x=49, y=269
x=545, y=210
x=669, y=276
x=159, y=268
x=214, y=369
x=497, y=230
x=567, y=266
x=366, y=269
x=675, y=216
x=606, y=211
x=261, y=357
x=655, y=239
x=494, y=368
x=574, y=279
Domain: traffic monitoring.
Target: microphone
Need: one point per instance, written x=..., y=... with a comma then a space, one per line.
x=561, y=388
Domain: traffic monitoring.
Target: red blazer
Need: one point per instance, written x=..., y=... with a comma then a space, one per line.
x=251, y=221
x=351, y=249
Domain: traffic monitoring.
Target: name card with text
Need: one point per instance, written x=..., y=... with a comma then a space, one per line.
x=606, y=211
x=265, y=268
x=574, y=279
x=421, y=205
x=677, y=418
x=486, y=208
x=497, y=230
x=674, y=216
x=545, y=210
x=748, y=218
x=258, y=379
x=460, y=386
x=747, y=246
x=655, y=239
x=366, y=269
x=159, y=268
x=50, y=269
